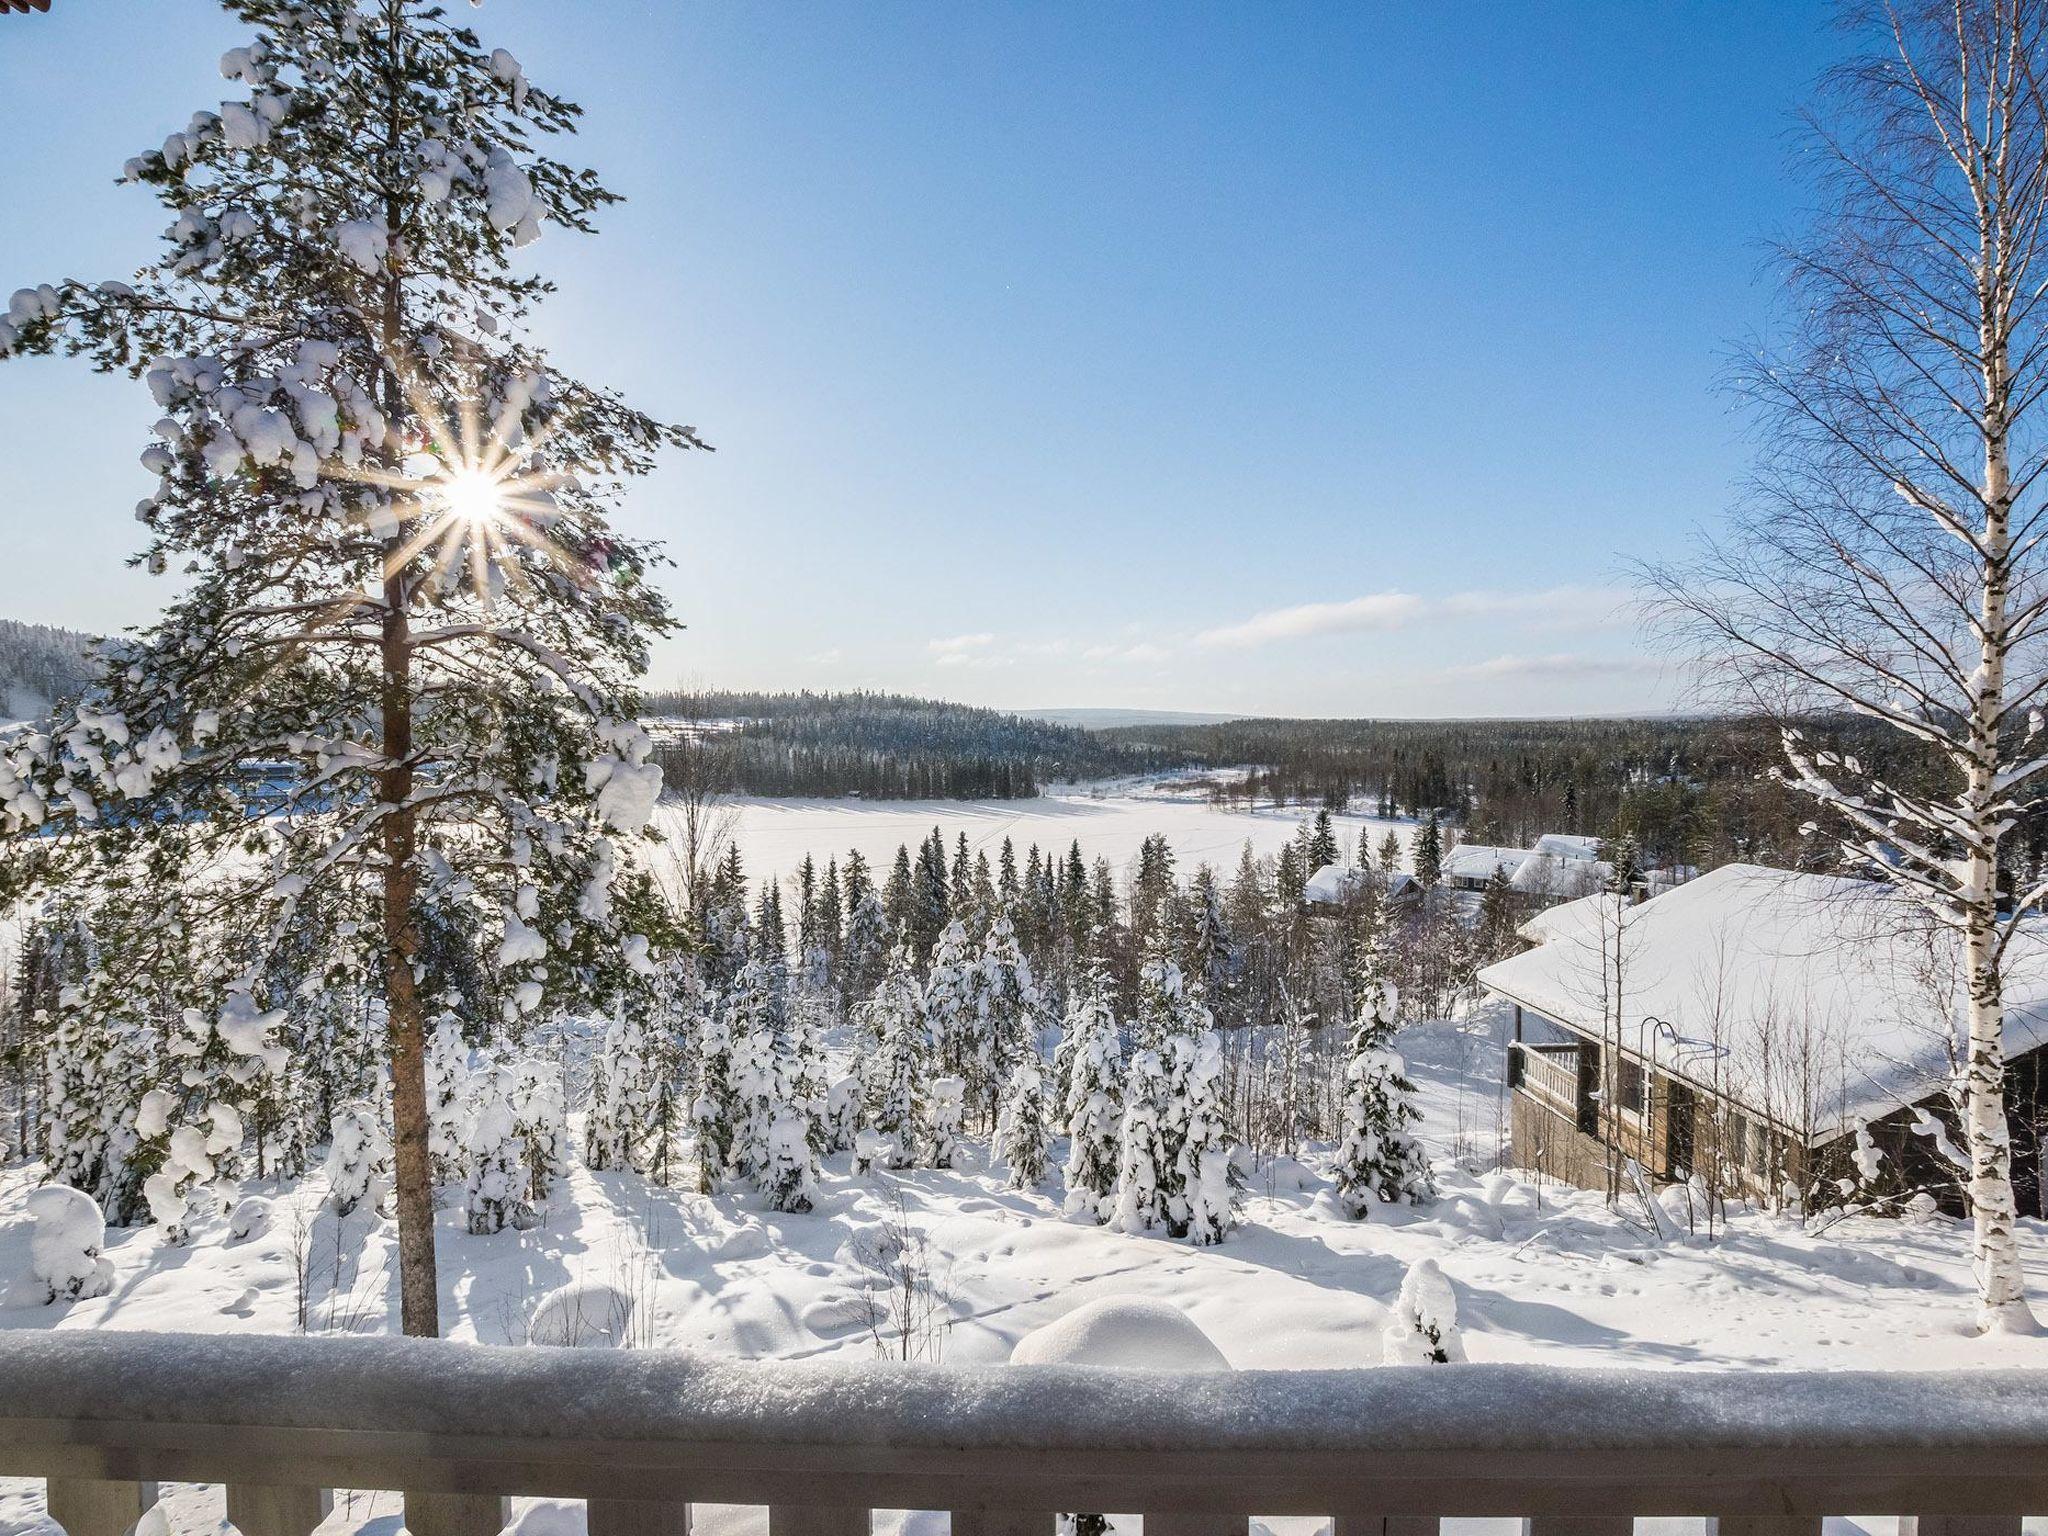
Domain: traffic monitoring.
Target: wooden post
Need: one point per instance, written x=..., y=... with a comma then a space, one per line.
x=638, y=1517
x=1360, y=1524
x=818, y=1520
x=89, y=1507
x=259, y=1509
x=456, y=1514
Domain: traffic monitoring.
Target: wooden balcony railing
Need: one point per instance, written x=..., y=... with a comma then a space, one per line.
x=644, y=1434
x=1551, y=1073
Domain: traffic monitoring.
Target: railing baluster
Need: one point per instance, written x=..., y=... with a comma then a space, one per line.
x=89, y=1507
x=998, y=1522
x=260, y=1509
x=818, y=1520
x=638, y=1517
x=1181, y=1522
x=456, y=1514
x=1959, y=1525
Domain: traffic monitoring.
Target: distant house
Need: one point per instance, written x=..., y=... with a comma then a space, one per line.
x=1470, y=866
x=1335, y=885
x=1742, y=1025
x=1561, y=867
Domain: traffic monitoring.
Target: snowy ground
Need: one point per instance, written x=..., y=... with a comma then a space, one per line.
x=1547, y=1275
x=1110, y=821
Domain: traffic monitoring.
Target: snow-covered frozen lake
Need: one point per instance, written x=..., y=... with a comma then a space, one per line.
x=774, y=835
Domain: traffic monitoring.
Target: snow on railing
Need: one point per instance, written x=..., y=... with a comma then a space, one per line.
x=1551, y=1073
x=644, y=1434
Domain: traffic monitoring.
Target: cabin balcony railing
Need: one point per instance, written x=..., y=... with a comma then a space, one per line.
x=643, y=1435
x=1550, y=1072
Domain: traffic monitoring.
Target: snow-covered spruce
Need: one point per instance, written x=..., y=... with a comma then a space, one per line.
x=714, y=1111
x=448, y=1091
x=1144, y=1168
x=1007, y=1006
x=64, y=1245
x=498, y=1177
x=842, y=1113
x=1378, y=1156
x=948, y=1106
x=1422, y=1328
x=617, y=1106
x=789, y=1181
x=358, y=1159
x=1024, y=1127
x=540, y=1119
x=1206, y=1185
x=1093, y=1111
x=897, y=1107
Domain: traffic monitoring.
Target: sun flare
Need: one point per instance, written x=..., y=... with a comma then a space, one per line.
x=473, y=496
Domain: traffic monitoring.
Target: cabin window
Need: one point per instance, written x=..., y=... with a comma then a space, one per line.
x=1629, y=1086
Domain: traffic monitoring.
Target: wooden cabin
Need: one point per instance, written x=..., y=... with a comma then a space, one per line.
x=1745, y=1026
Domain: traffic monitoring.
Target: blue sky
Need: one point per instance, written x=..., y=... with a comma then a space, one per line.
x=1290, y=358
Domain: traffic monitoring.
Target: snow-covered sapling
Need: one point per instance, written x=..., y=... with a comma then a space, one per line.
x=1092, y=1109
x=358, y=1159
x=1378, y=1156
x=1024, y=1128
x=842, y=1113
x=64, y=1245
x=789, y=1182
x=498, y=1177
x=948, y=1104
x=1423, y=1327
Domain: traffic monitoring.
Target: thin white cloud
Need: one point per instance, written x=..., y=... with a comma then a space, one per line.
x=1379, y=610
x=1556, y=664
x=954, y=645
x=1548, y=607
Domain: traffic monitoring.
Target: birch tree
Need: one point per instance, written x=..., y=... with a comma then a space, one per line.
x=392, y=693
x=1889, y=561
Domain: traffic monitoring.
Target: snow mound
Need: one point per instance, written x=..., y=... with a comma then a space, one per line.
x=585, y=1314
x=64, y=1247
x=1132, y=1333
x=249, y=1219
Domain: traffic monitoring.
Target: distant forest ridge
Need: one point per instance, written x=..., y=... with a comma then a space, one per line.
x=40, y=664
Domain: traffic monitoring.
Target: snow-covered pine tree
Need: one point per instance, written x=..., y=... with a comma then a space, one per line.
x=498, y=1177
x=1422, y=1328
x=387, y=514
x=1091, y=1105
x=1206, y=1185
x=756, y=1022
x=950, y=1003
x=842, y=1113
x=715, y=1110
x=540, y=1119
x=948, y=1103
x=1378, y=1157
x=617, y=1107
x=358, y=1158
x=1024, y=1128
x=1144, y=1168
x=789, y=1175
x=447, y=1092
x=898, y=1068
x=1007, y=1006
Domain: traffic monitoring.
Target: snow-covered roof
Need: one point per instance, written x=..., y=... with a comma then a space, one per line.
x=1333, y=883
x=1733, y=980
x=1559, y=875
x=1478, y=861
x=1565, y=917
x=1567, y=845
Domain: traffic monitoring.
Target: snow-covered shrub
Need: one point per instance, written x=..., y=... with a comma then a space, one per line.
x=582, y=1315
x=872, y=1150
x=358, y=1158
x=1378, y=1156
x=249, y=1220
x=948, y=1104
x=790, y=1179
x=842, y=1113
x=1023, y=1129
x=1092, y=1111
x=64, y=1245
x=1423, y=1328
x=498, y=1177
